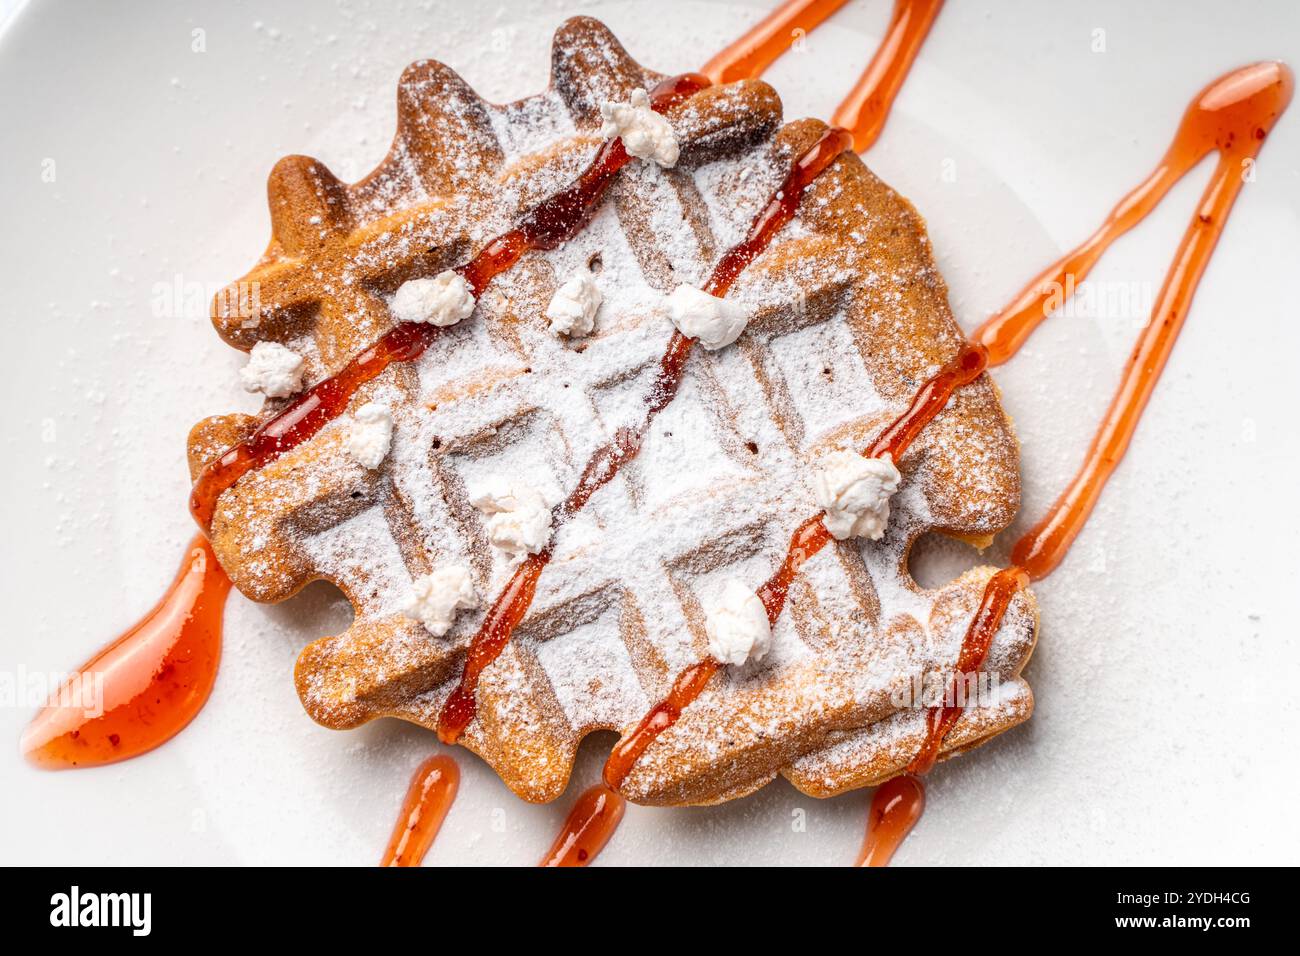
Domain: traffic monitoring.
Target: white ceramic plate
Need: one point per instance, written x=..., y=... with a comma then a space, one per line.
x=1164, y=675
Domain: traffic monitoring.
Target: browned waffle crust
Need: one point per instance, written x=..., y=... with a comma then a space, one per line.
x=850, y=317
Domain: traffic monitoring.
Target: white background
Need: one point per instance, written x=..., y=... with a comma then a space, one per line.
x=1165, y=671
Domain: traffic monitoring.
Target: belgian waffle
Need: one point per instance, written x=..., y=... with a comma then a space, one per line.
x=850, y=316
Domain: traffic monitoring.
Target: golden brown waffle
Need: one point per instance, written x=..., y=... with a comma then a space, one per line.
x=850, y=317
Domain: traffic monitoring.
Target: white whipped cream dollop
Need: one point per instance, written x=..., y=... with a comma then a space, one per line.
x=519, y=519
x=645, y=134
x=737, y=625
x=443, y=300
x=436, y=597
x=573, y=307
x=854, y=491
x=370, y=433
x=698, y=315
x=273, y=370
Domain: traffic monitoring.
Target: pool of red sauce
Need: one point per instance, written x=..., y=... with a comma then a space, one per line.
x=144, y=687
